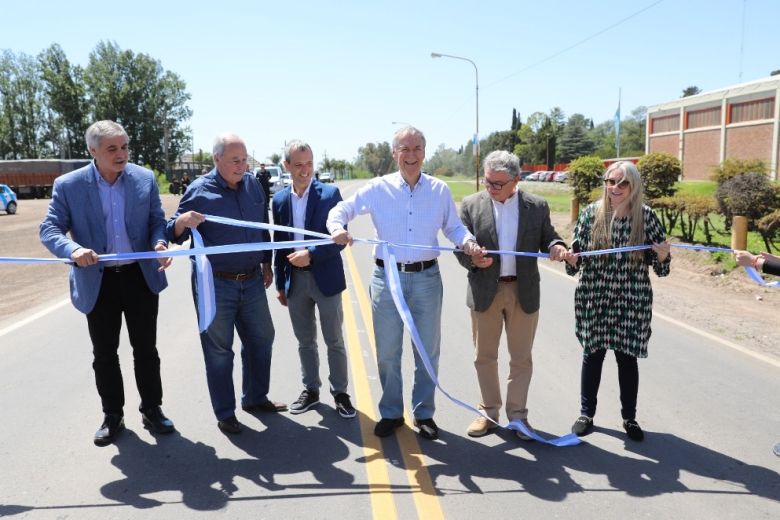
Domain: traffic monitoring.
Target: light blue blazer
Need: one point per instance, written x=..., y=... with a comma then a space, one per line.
x=75, y=208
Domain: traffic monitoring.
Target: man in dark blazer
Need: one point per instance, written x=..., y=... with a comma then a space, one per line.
x=112, y=206
x=503, y=291
x=311, y=276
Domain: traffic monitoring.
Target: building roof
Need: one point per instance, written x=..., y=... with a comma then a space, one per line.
x=755, y=89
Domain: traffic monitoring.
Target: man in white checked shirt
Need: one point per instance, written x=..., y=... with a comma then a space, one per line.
x=406, y=207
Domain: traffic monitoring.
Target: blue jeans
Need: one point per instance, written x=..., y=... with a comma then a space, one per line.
x=423, y=293
x=242, y=306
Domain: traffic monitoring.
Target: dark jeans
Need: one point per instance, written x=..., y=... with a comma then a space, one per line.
x=628, y=378
x=125, y=293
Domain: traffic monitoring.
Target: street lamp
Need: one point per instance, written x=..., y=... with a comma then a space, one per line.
x=476, y=134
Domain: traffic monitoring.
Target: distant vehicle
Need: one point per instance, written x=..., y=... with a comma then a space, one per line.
x=275, y=180
x=533, y=176
x=549, y=176
x=7, y=199
x=34, y=178
x=524, y=175
x=326, y=177
x=561, y=176
x=286, y=179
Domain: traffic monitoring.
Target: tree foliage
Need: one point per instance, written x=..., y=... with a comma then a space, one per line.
x=690, y=91
x=750, y=195
x=660, y=171
x=377, y=158
x=575, y=139
x=47, y=103
x=730, y=168
x=585, y=175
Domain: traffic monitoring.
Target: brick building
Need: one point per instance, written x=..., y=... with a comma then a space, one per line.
x=737, y=122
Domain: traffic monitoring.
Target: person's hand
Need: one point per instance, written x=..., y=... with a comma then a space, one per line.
x=282, y=298
x=482, y=261
x=341, y=237
x=744, y=258
x=268, y=275
x=766, y=256
x=471, y=248
x=84, y=257
x=165, y=261
x=570, y=258
x=557, y=253
x=300, y=258
x=662, y=250
x=190, y=219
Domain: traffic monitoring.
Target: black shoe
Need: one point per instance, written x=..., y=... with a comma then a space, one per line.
x=582, y=426
x=344, y=406
x=155, y=420
x=428, y=428
x=633, y=430
x=112, y=425
x=386, y=427
x=306, y=400
x=267, y=406
x=230, y=425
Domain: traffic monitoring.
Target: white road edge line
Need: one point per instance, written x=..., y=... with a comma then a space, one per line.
x=726, y=343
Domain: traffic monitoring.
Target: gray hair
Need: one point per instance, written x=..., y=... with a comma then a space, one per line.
x=296, y=145
x=100, y=129
x=407, y=131
x=502, y=161
x=221, y=141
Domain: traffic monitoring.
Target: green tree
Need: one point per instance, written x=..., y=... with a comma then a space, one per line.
x=376, y=158
x=730, y=168
x=23, y=117
x=446, y=162
x=585, y=175
x=575, y=141
x=134, y=90
x=66, y=98
x=750, y=195
x=690, y=91
x=660, y=171
x=275, y=158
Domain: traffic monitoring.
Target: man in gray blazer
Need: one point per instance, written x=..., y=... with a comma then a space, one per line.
x=112, y=206
x=503, y=291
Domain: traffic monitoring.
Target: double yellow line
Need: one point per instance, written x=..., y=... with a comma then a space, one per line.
x=423, y=493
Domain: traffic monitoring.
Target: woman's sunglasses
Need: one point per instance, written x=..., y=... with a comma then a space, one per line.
x=622, y=184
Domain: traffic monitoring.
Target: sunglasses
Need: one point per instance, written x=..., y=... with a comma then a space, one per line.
x=612, y=182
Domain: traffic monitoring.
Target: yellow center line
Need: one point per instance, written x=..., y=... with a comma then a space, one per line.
x=423, y=492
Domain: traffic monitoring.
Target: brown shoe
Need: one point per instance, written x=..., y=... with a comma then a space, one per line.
x=480, y=426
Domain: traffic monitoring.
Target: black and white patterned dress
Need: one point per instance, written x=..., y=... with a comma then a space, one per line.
x=613, y=303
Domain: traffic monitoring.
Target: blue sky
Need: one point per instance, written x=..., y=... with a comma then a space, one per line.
x=337, y=74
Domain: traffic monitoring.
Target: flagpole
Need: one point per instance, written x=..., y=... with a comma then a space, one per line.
x=617, y=125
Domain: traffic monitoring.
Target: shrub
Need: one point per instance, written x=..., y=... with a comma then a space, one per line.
x=730, y=168
x=585, y=175
x=769, y=227
x=751, y=195
x=695, y=209
x=660, y=171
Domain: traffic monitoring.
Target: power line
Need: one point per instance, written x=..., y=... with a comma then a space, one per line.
x=570, y=47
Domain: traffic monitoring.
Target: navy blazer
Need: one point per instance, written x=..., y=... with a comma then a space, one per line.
x=326, y=264
x=75, y=208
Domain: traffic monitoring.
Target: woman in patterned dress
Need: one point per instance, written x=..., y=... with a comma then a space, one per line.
x=613, y=303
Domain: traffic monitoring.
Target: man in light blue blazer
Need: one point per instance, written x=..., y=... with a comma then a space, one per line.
x=311, y=276
x=112, y=206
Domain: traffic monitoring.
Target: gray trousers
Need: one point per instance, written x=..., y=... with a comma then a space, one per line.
x=301, y=301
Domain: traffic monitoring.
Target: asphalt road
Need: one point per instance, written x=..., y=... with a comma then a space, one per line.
x=710, y=414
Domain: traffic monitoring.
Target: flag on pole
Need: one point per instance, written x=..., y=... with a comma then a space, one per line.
x=617, y=127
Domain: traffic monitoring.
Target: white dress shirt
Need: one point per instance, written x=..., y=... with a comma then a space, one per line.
x=403, y=215
x=298, y=206
x=507, y=216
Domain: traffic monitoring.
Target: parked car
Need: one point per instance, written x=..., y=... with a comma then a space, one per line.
x=524, y=175
x=7, y=199
x=286, y=179
x=549, y=176
x=561, y=176
x=326, y=177
x=533, y=176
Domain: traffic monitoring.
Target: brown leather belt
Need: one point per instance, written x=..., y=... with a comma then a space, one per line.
x=236, y=277
x=413, y=267
x=507, y=278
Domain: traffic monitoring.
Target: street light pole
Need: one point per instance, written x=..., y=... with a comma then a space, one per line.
x=476, y=134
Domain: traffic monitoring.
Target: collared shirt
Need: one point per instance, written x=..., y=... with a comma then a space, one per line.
x=211, y=195
x=298, y=207
x=403, y=215
x=507, y=217
x=112, y=202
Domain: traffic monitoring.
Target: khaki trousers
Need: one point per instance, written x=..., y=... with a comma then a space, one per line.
x=505, y=311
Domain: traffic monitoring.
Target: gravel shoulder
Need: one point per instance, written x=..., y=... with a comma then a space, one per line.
x=728, y=306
